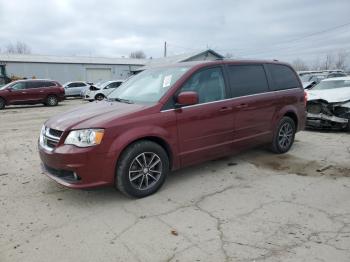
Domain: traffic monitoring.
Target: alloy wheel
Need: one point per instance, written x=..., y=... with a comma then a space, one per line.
x=285, y=135
x=145, y=170
x=52, y=101
x=99, y=97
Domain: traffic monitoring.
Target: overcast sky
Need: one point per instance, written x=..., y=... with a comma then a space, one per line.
x=251, y=29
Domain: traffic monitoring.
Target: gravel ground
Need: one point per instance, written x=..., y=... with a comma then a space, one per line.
x=255, y=206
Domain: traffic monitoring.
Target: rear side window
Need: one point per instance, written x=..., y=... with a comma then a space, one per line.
x=283, y=77
x=34, y=84
x=71, y=85
x=247, y=79
x=208, y=83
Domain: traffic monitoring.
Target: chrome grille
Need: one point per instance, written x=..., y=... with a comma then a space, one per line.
x=50, y=138
x=55, y=133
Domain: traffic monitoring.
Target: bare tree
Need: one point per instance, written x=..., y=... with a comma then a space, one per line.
x=340, y=62
x=17, y=48
x=228, y=55
x=299, y=65
x=328, y=62
x=138, y=54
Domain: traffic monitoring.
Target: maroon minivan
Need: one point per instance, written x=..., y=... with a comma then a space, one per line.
x=172, y=116
x=24, y=92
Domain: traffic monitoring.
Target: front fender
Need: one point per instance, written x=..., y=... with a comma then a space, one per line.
x=143, y=132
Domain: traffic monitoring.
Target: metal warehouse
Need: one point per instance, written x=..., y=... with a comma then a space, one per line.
x=90, y=69
x=65, y=69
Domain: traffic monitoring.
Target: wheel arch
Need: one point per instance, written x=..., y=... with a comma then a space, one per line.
x=51, y=94
x=293, y=116
x=99, y=94
x=3, y=98
x=291, y=112
x=156, y=139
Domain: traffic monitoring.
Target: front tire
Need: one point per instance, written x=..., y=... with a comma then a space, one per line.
x=2, y=103
x=142, y=169
x=51, y=101
x=284, y=135
x=99, y=97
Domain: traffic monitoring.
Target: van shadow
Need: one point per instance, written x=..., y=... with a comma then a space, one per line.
x=180, y=179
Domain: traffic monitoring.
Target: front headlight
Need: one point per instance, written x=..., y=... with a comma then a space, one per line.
x=85, y=137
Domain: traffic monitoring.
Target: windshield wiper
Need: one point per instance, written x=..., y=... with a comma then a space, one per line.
x=123, y=100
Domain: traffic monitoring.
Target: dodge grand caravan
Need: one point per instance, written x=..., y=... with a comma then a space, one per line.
x=172, y=116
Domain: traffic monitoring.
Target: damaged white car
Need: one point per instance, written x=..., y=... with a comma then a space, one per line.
x=328, y=104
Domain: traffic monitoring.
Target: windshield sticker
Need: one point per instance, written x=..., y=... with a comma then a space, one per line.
x=167, y=81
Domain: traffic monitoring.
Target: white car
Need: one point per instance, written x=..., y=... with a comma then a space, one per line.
x=101, y=91
x=75, y=88
x=328, y=104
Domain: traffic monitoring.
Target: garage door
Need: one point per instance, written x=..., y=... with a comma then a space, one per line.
x=95, y=75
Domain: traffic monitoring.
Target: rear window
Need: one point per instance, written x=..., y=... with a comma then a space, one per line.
x=247, y=79
x=283, y=77
x=48, y=83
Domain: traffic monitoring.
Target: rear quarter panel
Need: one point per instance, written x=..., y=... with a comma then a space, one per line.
x=291, y=101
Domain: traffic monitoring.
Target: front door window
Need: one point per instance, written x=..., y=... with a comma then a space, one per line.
x=208, y=83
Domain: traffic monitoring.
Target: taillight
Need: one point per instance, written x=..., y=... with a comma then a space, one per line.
x=305, y=98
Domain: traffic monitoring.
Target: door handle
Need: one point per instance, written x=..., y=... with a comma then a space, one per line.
x=225, y=109
x=41, y=91
x=242, y=106
x=24, y=92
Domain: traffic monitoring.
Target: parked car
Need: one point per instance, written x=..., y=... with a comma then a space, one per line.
x=328, y=71
x=310, y=80
x=101, y=91
x=75, y=88
x=22, y=92
x=328, y=104
x=173, y=116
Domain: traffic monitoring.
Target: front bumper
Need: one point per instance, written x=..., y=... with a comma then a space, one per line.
x=325, y=121
x=75, y=167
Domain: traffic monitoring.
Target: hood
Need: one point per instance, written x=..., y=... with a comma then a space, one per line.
x=92, y=115
x=330, y=95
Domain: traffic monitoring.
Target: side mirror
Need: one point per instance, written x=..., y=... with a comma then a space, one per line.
x=187, y=98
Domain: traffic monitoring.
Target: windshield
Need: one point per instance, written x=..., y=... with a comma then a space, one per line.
x=148, y=86
x=330, y=84
x=3, y=87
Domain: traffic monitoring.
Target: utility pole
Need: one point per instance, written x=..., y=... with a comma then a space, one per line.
x=165, y=49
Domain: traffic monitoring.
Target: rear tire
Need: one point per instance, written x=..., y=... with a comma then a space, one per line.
x=141, y=169
x=284, y=136
x=51, y=101
x=2, y=103
x=99, y=97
